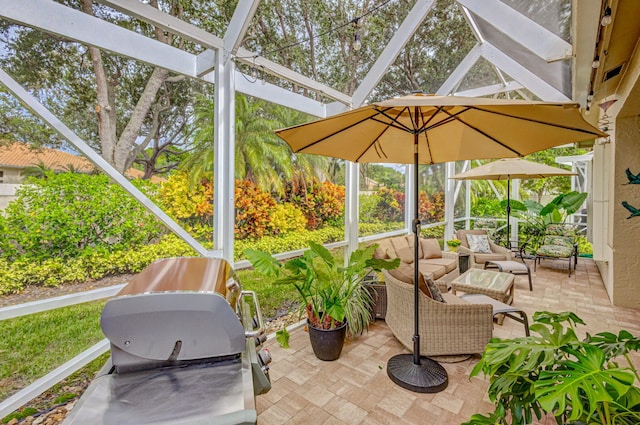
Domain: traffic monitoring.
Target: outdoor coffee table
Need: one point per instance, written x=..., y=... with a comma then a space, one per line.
x=514, y=267
x=496, y=285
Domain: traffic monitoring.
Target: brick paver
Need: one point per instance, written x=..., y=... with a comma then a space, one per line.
x=355, y=389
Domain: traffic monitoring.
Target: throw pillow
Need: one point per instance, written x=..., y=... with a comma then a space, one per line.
x=422, y=286
x=403, y=274
x=430, y=248
x=403, y=251
x=435, y=292
x=479, y=243
x=380, y=254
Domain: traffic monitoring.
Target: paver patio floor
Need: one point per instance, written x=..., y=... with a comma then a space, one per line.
x=355, y=389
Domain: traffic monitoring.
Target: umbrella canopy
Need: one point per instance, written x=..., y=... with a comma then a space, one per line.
x=511, y=168
x=448, y=128
x=428, y=129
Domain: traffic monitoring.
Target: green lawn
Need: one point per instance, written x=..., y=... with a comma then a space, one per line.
x=32, y=346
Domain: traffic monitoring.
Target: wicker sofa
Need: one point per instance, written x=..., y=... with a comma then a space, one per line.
x=454, y=327
x=433, y=263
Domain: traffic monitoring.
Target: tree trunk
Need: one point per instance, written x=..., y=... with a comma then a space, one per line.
x=119, y=151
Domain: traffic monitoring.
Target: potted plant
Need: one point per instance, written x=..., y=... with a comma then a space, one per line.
x=331, y=294
x=453, y=244
x=554, y=372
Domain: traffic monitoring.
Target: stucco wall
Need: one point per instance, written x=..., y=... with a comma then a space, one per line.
x=10, y=175
x=626, y=231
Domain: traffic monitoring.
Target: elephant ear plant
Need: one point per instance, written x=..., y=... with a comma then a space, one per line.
x=554, y=372
x=330, y=293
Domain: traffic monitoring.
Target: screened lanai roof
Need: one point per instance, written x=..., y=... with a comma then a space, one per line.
x=516, y=47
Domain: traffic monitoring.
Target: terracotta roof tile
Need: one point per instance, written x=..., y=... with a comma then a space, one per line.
x=20, y=155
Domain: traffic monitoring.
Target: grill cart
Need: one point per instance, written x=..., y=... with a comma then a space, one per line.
x=186, y=348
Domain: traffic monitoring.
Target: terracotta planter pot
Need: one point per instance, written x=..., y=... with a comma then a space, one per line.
x=327, y=344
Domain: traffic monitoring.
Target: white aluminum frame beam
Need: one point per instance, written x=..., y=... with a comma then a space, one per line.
x=176, y=26
x=38, y=109
x=278, y=95
x=528, y=79
x=458, y=74
x=490, y=90
x=242, y=16
x=521, y=29
x=39, y=306
x=75, y=25
x=585, y=15
x=391, y=51
x=50, y=379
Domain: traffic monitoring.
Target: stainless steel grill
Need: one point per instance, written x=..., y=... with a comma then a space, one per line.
x=185, y=349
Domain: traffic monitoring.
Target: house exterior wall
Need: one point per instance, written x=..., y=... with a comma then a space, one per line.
x=619, y=261
x=10, y=175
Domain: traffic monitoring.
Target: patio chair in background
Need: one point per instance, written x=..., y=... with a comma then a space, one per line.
x=473, y=244
x=559, y=243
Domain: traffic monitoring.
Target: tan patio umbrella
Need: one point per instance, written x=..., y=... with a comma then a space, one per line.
x=428, y=129
x=511, y=168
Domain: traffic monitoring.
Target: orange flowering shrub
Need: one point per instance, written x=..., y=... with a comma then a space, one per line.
x=321, y=203
x=253, y=209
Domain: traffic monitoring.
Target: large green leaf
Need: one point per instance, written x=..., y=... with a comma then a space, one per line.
x=264, y=263
x=563, y=388
x=572, y=201
x=615, y=345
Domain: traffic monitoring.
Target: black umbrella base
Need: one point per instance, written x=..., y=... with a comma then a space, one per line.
x=426, y=377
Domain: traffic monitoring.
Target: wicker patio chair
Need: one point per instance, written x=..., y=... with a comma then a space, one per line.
x=446, y=329
x=478, y=259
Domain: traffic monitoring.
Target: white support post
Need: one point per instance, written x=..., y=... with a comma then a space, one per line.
x=467, y=204
x=409, y=201
x=224, y=154
x=515, y=195
x=38, y=109
x=351, y=213
x=449, y=200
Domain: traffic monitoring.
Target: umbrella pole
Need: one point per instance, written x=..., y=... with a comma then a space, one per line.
x=509, y=213
x=413, y=371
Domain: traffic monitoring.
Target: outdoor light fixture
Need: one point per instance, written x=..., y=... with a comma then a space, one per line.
x=606, y=17
x=596, y=62
x=590, y=96
x=357, y=44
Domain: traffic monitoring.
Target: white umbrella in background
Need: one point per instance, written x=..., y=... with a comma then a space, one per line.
x=511, y=168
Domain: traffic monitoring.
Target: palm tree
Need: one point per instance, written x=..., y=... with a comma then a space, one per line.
x=261, y=156
x=38, y=170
